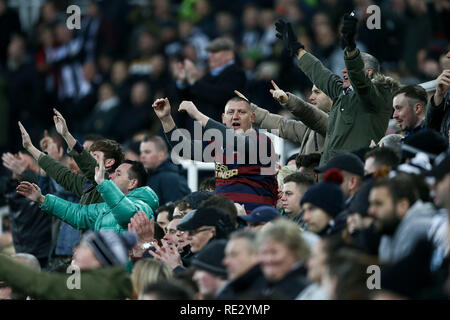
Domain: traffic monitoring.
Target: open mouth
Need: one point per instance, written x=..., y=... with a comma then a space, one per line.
x=236, y=125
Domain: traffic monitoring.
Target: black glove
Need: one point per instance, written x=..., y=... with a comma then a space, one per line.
x=286, y=33
x=349, y=29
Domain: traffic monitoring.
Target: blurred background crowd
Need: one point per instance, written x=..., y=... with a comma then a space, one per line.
x=123, y=57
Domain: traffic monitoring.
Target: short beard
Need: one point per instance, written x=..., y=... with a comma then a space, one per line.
x=389, y=226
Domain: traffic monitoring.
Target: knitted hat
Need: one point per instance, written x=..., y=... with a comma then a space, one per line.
x=109, y=247
x=327, y=194
x=210, y=258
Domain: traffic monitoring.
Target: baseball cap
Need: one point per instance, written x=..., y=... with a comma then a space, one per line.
x=207, y=216
x=261, y=214
x=346, y=162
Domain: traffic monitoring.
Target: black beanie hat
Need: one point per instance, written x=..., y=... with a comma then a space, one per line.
x=327, y=194
x=210, y=258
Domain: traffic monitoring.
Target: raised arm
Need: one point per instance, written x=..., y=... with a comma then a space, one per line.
x=77, y=215
x=436, y=107
x=361, y=82
x=175, y=136
x=322, y=77
x=62, y=175
x=85, y=161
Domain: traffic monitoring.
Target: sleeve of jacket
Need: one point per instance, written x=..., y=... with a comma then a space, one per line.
x=77, y=215
x=69, y=180
x=121, y=206
x=322, y=77
x=367, y=91
x=85, y=162
x=94, y=284
x=310, y=115
x=435, y=115
x=232, y=80
x=291, y=130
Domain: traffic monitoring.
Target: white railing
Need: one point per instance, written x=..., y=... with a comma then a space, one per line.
x=4, y=211
x=193, y=167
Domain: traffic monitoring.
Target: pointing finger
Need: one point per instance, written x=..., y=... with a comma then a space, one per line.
x=274, y=85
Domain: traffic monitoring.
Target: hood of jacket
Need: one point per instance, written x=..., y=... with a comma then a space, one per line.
x=147, y=195
x=386, y=82
x=420, y=209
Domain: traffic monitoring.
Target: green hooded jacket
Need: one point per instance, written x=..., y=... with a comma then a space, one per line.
x=113, y=214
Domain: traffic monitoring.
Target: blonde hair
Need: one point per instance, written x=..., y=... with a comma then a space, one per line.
x=147, y=271
x=288, y=233
x=284, y=172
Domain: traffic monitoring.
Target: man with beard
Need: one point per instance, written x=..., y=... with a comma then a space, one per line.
x=399, y=216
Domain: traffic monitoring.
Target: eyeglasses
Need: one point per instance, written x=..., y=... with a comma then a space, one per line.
x=194, y=232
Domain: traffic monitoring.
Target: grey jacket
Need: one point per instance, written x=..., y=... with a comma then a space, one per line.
x=309, y=132
x=413, y=227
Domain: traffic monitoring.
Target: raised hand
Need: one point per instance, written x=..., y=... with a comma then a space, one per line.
x=168, y=254
x=30, y=191
x=162, y=108
x=15, y=163
x=190, y=108
x=60, y=123
x=349, y=30
x=278, y=94
x=26, y=140
x=144, y=228
x=100, y=169
x=286, y=33
x=240, y=95
x=442, y=86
